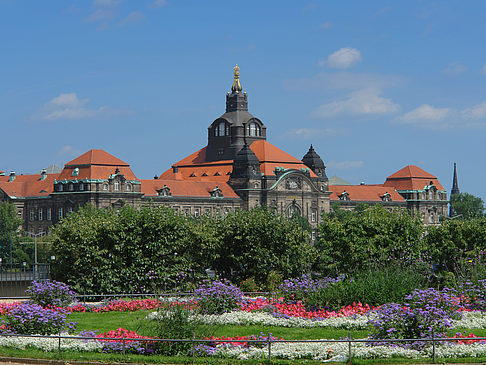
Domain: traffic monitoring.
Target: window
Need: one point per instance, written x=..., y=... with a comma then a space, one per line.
x=75, y=172
x=60, y=213
x=81, y=186
x=49, y=214
x=116, y=186
x=313, y=216
x=254, y=130
x=32, y=214
x=59, y=187
x=105, y=187
x=207, y=210
x=344, y=196
x=40, y=214
x=71, y=187
x=313, y=235
x=196, y=212
x=221, y=130
x=70, y=210
x=187, y=211
x=128, y=187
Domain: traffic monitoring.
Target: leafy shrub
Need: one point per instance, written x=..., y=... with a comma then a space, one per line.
x=175, y=321
x=373, y=287
x=31, y=319
x=249, y=285
x=218, y=297
x=51, y=293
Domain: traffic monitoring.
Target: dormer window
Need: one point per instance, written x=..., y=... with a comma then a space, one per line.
x=75, y=172
x=81, y=186
x=344, y=195
x=386, y=197
x=216, y=193
x=105, y=187
x=128, y=187
x=71, y=187
x=59, y=187
x=221, y=130
x=164, y=191
x=254, y=130
x=116, y=185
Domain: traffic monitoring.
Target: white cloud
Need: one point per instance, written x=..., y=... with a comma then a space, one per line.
x=70, y=107
x=342, y=58
x=159, y=3
x=429, y=117
x=313, y=133
x=133, y=17
x=366, y=102
x=100, y=15
x=454, y=69
x=483, y=69
x=426, y=113
x=103, y=10
x=344, y=165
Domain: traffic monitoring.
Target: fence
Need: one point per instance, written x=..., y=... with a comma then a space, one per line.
x=268, y=343
x=15, y=278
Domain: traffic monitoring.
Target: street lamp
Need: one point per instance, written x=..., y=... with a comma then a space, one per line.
x=35, y=235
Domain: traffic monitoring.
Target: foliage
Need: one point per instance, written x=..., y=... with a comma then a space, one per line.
x=375, y=238
x=249, y=285
x=50, y=293
x=458, y=246
x=253, y=243
x=9, y=224
x=102, y=251
x=218, y=297
x=175, y=321
x=34, y=319
x=467, y=205
x=374, y=287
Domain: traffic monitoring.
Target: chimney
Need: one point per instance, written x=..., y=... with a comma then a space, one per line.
x=43, y=174
x=12, y=176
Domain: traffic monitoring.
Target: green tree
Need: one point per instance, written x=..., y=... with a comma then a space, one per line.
x=253, y=243
x=9, y=224
x=374, y=238
x=467, y=205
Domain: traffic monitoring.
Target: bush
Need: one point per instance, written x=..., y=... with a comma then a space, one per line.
x=249, y=285
x=33, y=319
x=218, y=297
x=51, y=293
x=373, y=287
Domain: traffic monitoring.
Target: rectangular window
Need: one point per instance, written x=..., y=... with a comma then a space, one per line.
x=71, y=187
x=60, y=213
x=313, y=216
x=196, y=212
x=40, y=214
x=70, y=210
x=313, y=235
x=117, y=185
x=207, y=211
x=81, y=186
x=187, y=211
x=32, y=214
x=59, y=187
x=49, y=214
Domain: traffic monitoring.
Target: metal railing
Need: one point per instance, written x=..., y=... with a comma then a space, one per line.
x=268, y=342
x=15, y=278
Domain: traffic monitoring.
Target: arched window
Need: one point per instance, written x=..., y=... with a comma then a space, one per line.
x=221, y=130
x=254, y=130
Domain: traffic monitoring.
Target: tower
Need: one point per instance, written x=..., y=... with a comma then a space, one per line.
x=313, y=161
x=227, y=134
x=455, y=190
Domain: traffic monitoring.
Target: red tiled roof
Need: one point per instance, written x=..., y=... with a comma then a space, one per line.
x=364, y=193
x=28, y=185
x=97, y=157
x=412, y=177
x=96, y=164
x=187, y=188
x=194, y=167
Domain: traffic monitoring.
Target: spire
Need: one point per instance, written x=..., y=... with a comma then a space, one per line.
x=236, y=88
x=454, y=191
x=455, y=186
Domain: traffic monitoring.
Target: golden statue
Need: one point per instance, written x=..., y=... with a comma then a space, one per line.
x=236, y=88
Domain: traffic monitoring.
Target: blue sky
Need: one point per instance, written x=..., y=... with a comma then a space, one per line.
x=373, y=85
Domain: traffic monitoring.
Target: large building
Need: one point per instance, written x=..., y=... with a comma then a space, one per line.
x=238, y=169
